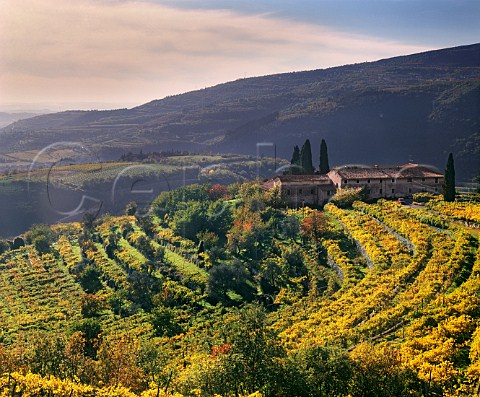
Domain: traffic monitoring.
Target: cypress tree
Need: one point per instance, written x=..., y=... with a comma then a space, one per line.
x=295, y=167
x=306, y=158
x=324, y=167
x=449, y=184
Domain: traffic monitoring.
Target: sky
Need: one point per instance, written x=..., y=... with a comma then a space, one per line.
x=100, y=54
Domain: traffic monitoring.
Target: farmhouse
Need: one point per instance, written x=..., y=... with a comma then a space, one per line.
x=303, y=189
x=377, y=182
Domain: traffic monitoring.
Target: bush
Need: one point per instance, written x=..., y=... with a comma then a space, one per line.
x=346, y=197
x=424, y=197
x=164, y=322
x=41, y=237
x=90, y=279
x=4, y=246
x=17, y=243
x=91, y=305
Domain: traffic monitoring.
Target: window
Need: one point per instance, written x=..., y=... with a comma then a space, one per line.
x=288, y=192
x=393, y=180
x=409, y=179
x=393, y=191
x=368, y=180
x=358, y=181
x=409, y=190
x=300, y=191
x=436, y=189
x=436, y=180
x=423, y=179
x=328, y=192
x=380, y=191
x=345, y=181
x=312, y=191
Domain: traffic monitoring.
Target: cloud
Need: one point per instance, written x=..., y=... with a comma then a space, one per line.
x=136, y=50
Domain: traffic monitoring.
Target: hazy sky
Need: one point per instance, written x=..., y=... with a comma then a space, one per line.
x=120, y=53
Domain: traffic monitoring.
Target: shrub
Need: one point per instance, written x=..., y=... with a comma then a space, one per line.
x=346, y=197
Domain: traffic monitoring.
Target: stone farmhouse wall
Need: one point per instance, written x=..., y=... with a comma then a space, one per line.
x=391, y=182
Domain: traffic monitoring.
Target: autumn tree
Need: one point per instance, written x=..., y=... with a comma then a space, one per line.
x=314, y=225
x=248, y=233
x=91, y=305
x=117, y=363
x=218, y=191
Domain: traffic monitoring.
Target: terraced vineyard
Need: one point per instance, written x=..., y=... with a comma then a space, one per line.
x=387, y=296
x=425, y=303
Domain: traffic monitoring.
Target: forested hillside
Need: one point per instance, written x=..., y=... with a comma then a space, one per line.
x=222, y=290
x=418, y=107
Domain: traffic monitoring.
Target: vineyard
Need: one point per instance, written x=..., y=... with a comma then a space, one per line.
x=220, y=292
x=201, y=167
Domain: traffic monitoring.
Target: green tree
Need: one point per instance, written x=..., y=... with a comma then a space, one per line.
x=131, y=208
x=295, y=167
x=219, y=217
x=89, y=279
x=42, y=244
x=47, y=354
x=164, y=321
x=142, y=287
x=4, y=246
x=254, y=351
x=190, y=220
x=153, y=361
x=91, y=329
x=88, y=221
x=449, y=184
x=227, y=277
x=318, y=371
x=41, y=237
x=291, y=226
x=306, y=158
x=17, y=243
x=324, y=166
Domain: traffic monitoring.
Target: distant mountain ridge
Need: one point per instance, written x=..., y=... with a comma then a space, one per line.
x=409, y=108
x=7, y=118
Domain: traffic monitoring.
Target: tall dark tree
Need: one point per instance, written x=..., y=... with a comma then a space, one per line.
x=324, y=166
x=295, y=162
x=306, y=158
x=449, y=184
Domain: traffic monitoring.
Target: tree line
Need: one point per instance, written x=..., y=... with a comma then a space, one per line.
x=302, y=163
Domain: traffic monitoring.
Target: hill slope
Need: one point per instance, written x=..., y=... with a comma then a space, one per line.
x=380, y=299
x=417, y=107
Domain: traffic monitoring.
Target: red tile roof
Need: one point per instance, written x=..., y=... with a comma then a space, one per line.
x=375, y=172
